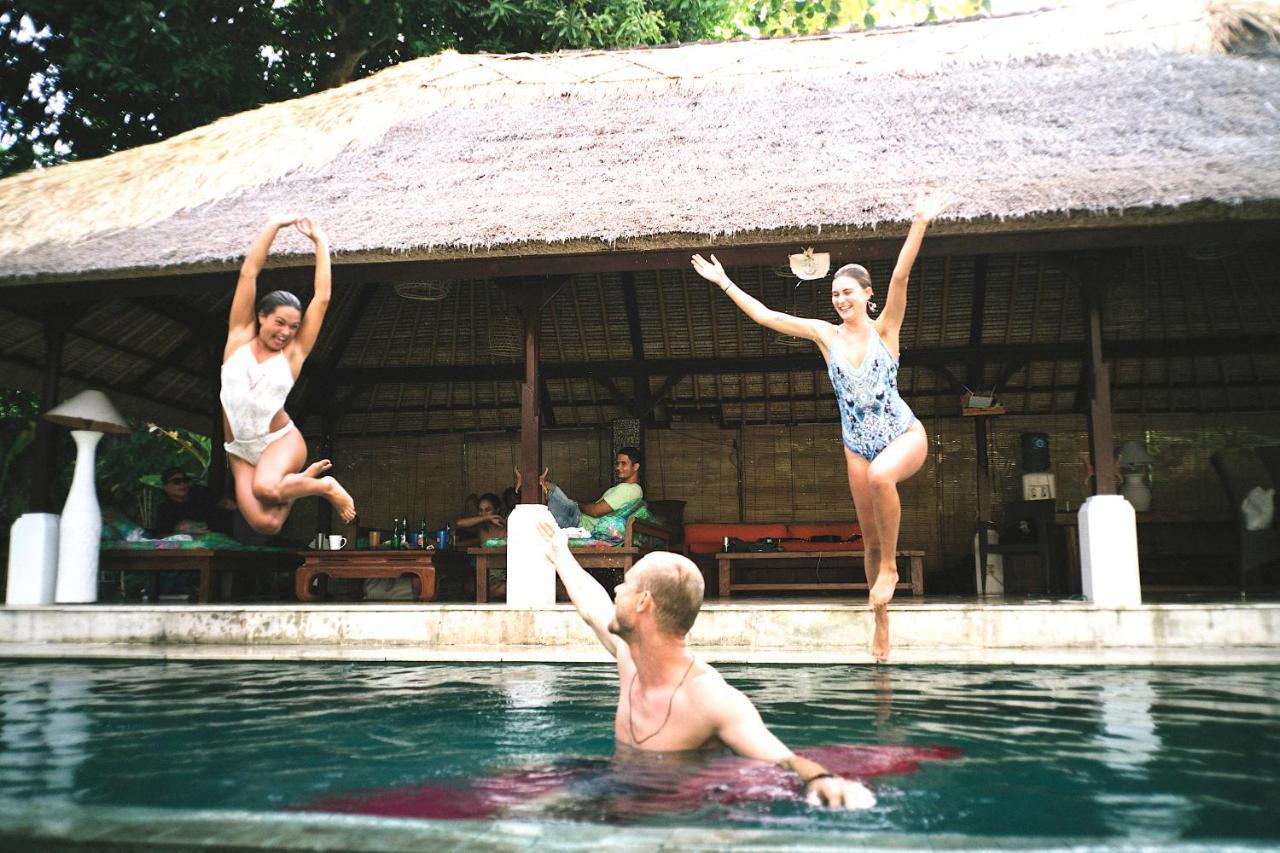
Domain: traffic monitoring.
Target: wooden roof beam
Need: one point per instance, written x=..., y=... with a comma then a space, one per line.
x=768, y=251
x=601, y=371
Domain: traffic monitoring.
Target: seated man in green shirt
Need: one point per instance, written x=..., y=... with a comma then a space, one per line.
x=570, y=513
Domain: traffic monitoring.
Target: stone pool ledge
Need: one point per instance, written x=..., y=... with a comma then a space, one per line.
x=64, y=828
x=1235, y=656
x=758, y=632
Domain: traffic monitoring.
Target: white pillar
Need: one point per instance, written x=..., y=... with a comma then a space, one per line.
x=80, y=532
x=1109, y=552
x=33, y=559
x=531, y=579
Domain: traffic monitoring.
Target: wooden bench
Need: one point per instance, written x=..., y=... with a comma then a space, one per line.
x=365, y=565
x=207, y=561
x=913, y=579
x=641, y=537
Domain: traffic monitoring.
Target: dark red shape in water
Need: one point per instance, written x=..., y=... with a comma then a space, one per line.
x=727, y=780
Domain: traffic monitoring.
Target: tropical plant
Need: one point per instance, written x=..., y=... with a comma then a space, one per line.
x=18, y=411
x=129, y=466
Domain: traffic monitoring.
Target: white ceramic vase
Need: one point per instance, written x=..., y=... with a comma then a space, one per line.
x=80, y=530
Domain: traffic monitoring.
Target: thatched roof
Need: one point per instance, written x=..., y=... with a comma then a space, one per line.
x=1132, y=108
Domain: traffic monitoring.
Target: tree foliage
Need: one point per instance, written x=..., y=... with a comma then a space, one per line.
x=790, y=17
x=82, y=78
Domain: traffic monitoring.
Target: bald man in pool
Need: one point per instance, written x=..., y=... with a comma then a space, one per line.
x=669, y=701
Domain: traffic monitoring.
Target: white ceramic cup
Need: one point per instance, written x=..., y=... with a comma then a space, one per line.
x=337, y=542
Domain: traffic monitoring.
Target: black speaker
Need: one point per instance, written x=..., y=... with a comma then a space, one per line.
x=1035, y=452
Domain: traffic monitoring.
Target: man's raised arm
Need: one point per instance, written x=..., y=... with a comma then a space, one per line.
x=591, y=599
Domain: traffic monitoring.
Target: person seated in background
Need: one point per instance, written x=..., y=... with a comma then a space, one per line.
x=569, y=513
x=186, y=501
x=488, y=522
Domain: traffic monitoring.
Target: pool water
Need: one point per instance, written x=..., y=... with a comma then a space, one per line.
x=1140, y=755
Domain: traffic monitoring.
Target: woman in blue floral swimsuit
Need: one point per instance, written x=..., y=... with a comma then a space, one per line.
x=884, y=443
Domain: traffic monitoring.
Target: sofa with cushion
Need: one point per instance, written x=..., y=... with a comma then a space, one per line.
x=708, y=537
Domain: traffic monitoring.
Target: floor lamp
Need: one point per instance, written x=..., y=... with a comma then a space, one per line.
x=88, y=414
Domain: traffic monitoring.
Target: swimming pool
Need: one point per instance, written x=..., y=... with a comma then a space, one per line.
x=1024, y=756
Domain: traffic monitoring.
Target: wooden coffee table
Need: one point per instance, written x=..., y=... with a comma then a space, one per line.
x=913, y=580
x=364, y=565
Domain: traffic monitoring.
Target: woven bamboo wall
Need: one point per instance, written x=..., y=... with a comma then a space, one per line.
x=414, y=476
x=789, y=472
x=697, y=464
x=579, y=460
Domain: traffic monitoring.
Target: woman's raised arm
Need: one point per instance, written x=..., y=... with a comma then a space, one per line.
x=240, y=323
x=895, y=301
x=309, y=331
x=800, y=327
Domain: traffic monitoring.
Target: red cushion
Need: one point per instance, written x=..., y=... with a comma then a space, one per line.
x=708, y=537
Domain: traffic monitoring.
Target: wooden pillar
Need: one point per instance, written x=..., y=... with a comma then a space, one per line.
x=1098, y=406
x=983, y=472
x=328, y=424
x=214, y=343
x=530, y=302
x=1095, y=274
x=57, y=321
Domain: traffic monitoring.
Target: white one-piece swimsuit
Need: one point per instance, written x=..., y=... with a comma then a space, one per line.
x=252, y=393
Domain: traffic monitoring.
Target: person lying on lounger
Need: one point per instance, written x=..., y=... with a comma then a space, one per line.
x=669, y=701
x=583, y=515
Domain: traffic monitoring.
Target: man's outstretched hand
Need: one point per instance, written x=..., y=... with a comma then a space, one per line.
x=839, y=793
x=557, y=542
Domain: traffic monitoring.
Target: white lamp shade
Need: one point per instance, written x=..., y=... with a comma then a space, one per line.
x=1133, y=453
x=88, y=410
x=808, y=266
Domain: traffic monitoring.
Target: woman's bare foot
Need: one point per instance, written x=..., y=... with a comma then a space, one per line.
x=315, y=469
x=880, y=642
x=886, y=582
x=341, y=501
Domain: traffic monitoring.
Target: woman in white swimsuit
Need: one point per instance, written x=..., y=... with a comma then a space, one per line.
x=264, y=355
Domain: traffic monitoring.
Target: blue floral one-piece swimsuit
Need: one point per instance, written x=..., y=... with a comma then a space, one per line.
x=872, y=413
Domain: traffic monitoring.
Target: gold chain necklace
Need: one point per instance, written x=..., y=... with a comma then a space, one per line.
x=631, y=705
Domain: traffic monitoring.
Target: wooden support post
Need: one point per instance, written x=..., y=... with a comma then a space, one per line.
x=1101, y=437
x=1095, y=274
x=57, y=320
x=1098, y=410
x=642, y=404
x=975, y=371
x=530, y=302
x=328, y=423
x=983, y=471
x=214, y=341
